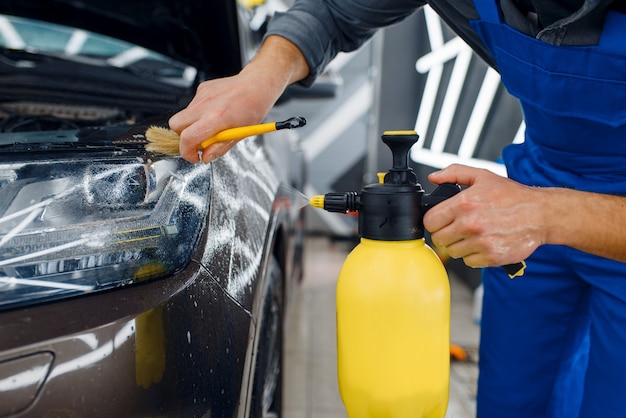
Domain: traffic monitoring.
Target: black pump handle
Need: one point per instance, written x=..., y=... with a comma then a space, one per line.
x=442, y=192
x=400, y=142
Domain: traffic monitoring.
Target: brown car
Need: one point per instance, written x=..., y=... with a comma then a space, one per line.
x=133, y=284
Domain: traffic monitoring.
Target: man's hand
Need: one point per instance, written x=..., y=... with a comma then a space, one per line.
x=240, y=100
x=219, y=104
x=494, y=222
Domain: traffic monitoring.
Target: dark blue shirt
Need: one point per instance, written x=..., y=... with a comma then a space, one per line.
x=323, y=28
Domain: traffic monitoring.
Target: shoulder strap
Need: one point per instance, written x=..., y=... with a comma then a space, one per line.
x=488, y=10
x=614, y=32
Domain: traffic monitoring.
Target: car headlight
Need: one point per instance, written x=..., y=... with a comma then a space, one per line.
x=78, y=225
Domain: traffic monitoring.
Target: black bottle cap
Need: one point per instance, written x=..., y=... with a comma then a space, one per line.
x=391, y=213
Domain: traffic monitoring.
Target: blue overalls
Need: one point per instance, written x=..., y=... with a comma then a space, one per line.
x=553, y=342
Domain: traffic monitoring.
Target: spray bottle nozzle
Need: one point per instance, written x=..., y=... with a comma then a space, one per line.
x=337, y=202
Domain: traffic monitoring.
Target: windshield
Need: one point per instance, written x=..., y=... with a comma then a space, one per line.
x=36, y=37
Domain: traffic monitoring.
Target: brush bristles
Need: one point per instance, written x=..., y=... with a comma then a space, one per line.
x=162, y=140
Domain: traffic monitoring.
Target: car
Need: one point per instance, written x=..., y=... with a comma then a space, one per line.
x=134, y=283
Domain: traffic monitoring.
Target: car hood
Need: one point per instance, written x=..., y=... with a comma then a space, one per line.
x=203, y=34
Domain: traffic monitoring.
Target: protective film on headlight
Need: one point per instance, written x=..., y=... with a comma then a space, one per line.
x=75, y=226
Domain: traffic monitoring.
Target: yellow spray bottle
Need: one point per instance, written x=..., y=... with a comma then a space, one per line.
x=393, y=298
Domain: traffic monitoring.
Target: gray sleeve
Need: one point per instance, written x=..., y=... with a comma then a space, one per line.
x=323, y=28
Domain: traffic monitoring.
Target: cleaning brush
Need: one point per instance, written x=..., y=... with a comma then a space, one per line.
x=166, y=141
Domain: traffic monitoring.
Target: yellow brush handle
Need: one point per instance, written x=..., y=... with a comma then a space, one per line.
x=235, y=134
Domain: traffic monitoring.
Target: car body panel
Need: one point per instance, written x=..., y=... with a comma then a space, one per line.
x=143, y=351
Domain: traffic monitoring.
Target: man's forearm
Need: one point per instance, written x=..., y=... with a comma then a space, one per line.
x=591, y=222
x=280, y=62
